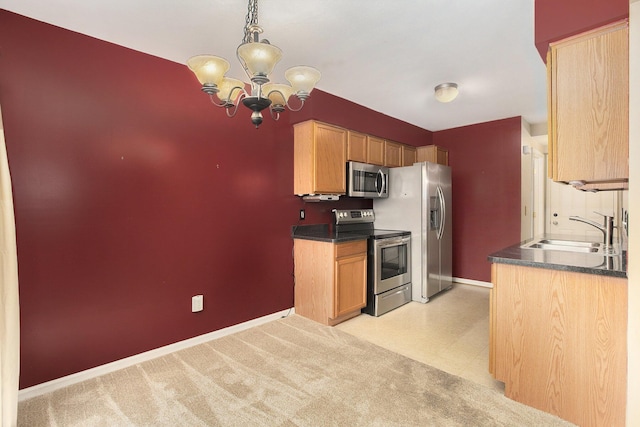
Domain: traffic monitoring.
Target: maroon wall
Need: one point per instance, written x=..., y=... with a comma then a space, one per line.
x=341, y=112
x=555, y=20
x=132, y=193
x=485, y=167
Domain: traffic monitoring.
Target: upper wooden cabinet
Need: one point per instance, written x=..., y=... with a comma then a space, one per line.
x=433, y=154
x=357, y=146
x=409, y=155
x=375, y=150
x=392, y=154
x=588, y=84
x=365, y=148
x=321, y=151
x=320, y=155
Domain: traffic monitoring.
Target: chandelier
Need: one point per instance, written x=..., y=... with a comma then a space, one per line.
x=258, y=58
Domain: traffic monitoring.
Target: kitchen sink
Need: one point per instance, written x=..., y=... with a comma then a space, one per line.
x=569, y=246
x=571, y=243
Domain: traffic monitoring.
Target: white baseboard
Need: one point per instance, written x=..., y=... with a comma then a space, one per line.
x=473, y=282
x=58, y=383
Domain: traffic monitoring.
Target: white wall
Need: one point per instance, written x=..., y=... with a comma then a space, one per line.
x=533, y=181
x=633, y=342
x=526, y=175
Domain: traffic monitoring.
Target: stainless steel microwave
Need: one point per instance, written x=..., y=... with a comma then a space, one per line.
x=367, y=181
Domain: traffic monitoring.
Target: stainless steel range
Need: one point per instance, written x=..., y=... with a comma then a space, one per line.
x=388, y=260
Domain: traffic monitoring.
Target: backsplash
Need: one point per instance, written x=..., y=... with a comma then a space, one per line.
x=624, y=214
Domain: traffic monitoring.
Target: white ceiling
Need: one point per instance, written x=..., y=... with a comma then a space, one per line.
x=387, y=55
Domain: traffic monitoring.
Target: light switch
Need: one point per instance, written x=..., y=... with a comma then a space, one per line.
x=197, y=303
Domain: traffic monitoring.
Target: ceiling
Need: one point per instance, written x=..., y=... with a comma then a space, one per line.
x=386, y=55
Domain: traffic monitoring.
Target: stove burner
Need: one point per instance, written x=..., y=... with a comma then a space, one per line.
x=360, y=221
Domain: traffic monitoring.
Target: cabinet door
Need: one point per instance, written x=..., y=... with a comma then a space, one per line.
x=357, y=147
x=392, y=154
x=320, y=153
x=350, y=284
x=588, y=106
x=558, y=340
x=433, y=154
x=375, y=150
x=330, y=159
x=409, y=155
x=351, y=279
x=442, y=156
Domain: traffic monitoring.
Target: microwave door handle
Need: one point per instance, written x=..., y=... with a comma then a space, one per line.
x=383, y=184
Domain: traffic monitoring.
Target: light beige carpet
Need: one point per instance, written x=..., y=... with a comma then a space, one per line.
x=289, y=372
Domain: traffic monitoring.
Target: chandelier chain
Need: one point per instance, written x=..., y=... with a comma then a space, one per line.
x=251, y=21
x=258, y=58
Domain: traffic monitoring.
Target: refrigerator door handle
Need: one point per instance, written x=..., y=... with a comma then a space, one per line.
x=443, y=211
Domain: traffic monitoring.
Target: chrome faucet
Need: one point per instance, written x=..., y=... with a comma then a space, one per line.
x=606, y=228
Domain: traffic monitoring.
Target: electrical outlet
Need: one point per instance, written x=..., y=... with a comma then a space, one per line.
x=301, y=213
x=197, y=303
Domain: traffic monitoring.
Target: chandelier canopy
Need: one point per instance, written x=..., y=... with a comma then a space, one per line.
x=258, y=58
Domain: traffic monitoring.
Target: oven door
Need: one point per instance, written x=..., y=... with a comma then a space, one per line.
x=392, y=263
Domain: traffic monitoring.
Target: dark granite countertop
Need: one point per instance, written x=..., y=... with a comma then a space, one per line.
x=323, y=233
x=615, y=266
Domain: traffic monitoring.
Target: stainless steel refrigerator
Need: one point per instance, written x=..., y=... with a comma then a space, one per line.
x=420, y=201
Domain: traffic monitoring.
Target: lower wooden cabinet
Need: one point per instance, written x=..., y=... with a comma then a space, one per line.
x=558, y=341
x=330, y=279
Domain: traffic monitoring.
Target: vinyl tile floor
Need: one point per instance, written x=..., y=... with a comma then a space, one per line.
x=450, y=332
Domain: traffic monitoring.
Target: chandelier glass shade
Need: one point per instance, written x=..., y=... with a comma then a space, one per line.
x=258, y=58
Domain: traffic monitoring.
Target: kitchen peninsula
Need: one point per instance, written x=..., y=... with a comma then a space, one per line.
x=558, y=327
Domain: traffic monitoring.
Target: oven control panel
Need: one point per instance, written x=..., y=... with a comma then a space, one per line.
x=353, y=216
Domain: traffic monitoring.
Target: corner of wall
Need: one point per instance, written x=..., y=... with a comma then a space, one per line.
x=633, y=203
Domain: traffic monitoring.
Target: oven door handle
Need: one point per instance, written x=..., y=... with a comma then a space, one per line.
x=402, y=289
x=393, y=241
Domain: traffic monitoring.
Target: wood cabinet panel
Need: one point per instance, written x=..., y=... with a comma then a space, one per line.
x=313, y=269
x=321, y=151
x=330, y=153
x=357, y=147
x=330, y=279
x=320, y=154
x=350, y=286
x=392, y=154
x=409, y=155
x=589, y=106
x=433, y=154
x=375, y=153
x=558, y=341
